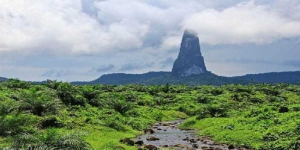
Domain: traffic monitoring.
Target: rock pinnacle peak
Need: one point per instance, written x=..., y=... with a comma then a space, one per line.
x=189, y=61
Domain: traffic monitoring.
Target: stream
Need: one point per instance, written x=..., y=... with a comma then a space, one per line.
x=167, y=135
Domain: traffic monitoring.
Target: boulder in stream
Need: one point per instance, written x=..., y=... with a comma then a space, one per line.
x=127, y=141
x=179, y=145
x=152, y=138
x=139, y=142
x=150, y=147
x=151, y=131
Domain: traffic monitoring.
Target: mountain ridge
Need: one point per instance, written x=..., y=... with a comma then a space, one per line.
x=161, y=78
x=3, y=79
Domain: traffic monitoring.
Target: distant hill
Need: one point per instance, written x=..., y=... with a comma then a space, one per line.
x=161, y=78
x=122, y=78
x=3, y=79
x=273, y=77
x=199, y=79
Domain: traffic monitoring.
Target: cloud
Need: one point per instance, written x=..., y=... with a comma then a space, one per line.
x=88, y=7
x=56, y=73
x=88, y=26
x=294, y=63
x=107, y=26
x=105, y=68
x=51, y=35
x=246, y=22
x=249, y=61
x=167, y=62
x=134, y=66
x=62, y=26
x=171, y=42
x=290, y=63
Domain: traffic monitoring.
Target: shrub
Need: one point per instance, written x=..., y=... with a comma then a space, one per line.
x=13, y=124
x=72, y=141
x=40, y=103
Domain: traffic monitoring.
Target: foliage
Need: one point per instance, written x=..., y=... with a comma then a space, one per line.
x=58, y=115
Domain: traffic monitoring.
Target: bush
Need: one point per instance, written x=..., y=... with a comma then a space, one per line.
x=51, y=122
x=14, y=124
x=40, y=103
x=72, y=141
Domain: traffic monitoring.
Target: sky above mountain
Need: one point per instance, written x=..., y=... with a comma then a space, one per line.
x=79, y=40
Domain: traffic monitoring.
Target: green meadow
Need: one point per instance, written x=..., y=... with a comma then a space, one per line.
x=58, y=115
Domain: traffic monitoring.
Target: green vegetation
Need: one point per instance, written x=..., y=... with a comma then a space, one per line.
x=64, y=116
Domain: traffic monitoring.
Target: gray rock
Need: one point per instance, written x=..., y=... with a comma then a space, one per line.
x=189, y=61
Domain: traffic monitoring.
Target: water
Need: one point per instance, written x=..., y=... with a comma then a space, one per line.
x=170, y=136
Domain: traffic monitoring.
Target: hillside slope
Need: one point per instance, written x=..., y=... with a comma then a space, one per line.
x=3, y=79
x=273, y=77
x=161, y=78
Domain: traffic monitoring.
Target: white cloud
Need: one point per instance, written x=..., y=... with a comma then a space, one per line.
x=93, y=26
x=61, y=26
x=171, y=42
x=246, y=22
x=88, y=26
x=120, y=32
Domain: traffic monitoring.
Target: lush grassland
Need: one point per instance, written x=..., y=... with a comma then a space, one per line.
x=64, y=116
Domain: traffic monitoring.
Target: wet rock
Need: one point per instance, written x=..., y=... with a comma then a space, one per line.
x=152, y=138
x=139, y=142
x=179, y=145
x=150, y=147
x=193, y=141
x=207, y=148
x=151, y=131
x=127, y=141
x=230, y=147
x=186, y=139
x=195, y=146
x=166, y=124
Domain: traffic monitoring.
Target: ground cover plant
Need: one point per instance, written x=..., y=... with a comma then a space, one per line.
x=58, y=115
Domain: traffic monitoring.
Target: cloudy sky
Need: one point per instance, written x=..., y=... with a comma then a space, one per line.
x=82, y=39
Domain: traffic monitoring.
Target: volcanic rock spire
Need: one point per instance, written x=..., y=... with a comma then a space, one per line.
x=189, y=61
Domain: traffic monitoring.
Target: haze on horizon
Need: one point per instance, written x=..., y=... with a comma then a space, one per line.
x=79, y=40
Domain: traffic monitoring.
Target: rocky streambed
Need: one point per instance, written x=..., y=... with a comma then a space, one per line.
x=167, y=135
